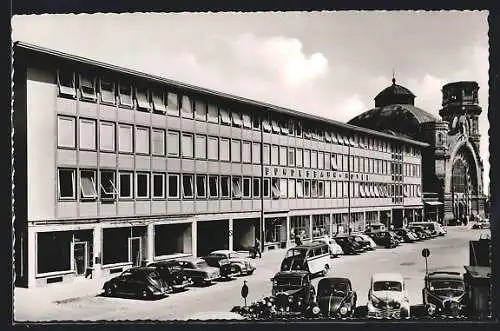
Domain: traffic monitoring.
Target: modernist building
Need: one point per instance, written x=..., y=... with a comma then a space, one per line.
x=115, y=168
x=453, y=180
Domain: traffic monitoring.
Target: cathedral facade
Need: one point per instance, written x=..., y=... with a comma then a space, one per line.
x=452, y=168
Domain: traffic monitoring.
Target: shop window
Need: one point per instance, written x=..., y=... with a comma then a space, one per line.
x=159, y=102
x=247, y=191
x=274, y=155
x=256, y=153
x=172, y=104
x=187, y=145
x=256, y=187
x=173, y=143
x=158, y=142
x=87, y=184
x=224, y=116
x=266, y=125
x=187, y=107
x=200, y=109
x=236, y=150
x=236, y=187
x=299, y=157
x=187, y=186
x=141, y=140
x=266, y=186
x=283, y=156
x=224, y=149
x=283, y=188
x=87, y=88
x=321, y=160
x=66, y=132
x=66, y=184
x=213, y=148
x=158, y=185
x=307, y=158
x=200, y=147
x=314, y=188
x=291, y=188
x=224, y=186
x=115, y=245
x=246, y=152
x=300, y=188
x=108, y=186
x=247, y=121
x=87, y=134
x=266, y=154
x=201, y=186
x=142, y=185
x=125, y=94
x=275, y=188
x=213, y=113
x=291, y=156
x=107, y=91
x=125, y=139
x=213, y=186
x=237, y=121
x=53, y=251
x=173, y=186
x=256, y=122
x=66, y=83
x=125, y=183
x=107, y=136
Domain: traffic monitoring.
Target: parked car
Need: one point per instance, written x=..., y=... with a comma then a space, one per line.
x=348, y=244
x=444, y=294
x=219, y=261
x=239, y=264
x=141, y=282
x=375, y=227
x=293, y=294
x=362, y=241
x=373, y=245
x=399, y=239
x=384, y=238
x=313, y=257
x=420, y=231
x=336, y=298
x=172, y=273
x=434, y=227
x=335, y=249
x=199, y=270
x=387, y=297
x=408, y=236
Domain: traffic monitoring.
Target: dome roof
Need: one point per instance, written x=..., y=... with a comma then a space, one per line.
x=394, y=94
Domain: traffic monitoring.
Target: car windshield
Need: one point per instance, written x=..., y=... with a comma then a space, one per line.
x=294, y=252
x=446, y=285
x=387, y=286
x=359, y=239
x=201, y=264
x=288, y=281
x=332, y=288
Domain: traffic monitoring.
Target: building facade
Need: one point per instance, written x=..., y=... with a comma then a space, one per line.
x=116, y=168
x=453, y=181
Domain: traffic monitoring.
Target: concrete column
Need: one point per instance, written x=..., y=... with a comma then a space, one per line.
x=310, y=226
x=97, y=250
x=230, y=237
x=331, y=225
x=32, y=249
x=150, y=240
x=194, y=238
x=288, y=231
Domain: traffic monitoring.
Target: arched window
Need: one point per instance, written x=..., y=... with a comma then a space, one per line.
x=459, y=181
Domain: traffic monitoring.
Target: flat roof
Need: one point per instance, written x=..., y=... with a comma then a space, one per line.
x=70, y=57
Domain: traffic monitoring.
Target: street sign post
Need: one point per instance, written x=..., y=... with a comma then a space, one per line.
x=425, y=253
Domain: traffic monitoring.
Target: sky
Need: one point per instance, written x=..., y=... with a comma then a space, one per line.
x=330, y=64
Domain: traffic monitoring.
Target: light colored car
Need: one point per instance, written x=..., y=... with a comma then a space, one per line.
x=335, y=249
x=366, y=237
x=387, y=297
x=240, y=264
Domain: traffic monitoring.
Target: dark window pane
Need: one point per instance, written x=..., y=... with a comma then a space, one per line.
x=142, y=186
x=158, y=185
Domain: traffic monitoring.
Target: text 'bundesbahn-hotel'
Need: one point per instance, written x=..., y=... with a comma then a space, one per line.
x=114, y=168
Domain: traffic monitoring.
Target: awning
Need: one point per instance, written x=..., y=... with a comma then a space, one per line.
x=433, y=203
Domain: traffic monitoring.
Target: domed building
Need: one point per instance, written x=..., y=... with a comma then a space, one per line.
x=452, y=167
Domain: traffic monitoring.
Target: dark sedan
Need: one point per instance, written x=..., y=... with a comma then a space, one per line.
x=420, y=231
x=219, y=261
x=386, y=239
x=363, y=242
x=199, y=270
x=407, y=235
x=142, y=282
x=173, y=274
x=444, y=294
x=348, y=244
x=336, y=298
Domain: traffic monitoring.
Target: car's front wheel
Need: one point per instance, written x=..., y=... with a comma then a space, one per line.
x=144, y=294
x=405, y=312
x=109, y=290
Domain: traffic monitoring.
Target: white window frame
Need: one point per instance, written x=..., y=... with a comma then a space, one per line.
x=200, y=147
x=60, y=139
x=246, y=151
x=275, y=188
x=283, y=158
x=177, y=183
x=212, y=154
x=92, y=195
x=237, y=119
x=158, y=100
x=291, y=156
x=73, y=182
x=103, y=142
x=139, y=147
x=87, y=87
x=256, y=153
x=228, y=187
x=321, y=160
x=236, y=187
x=94, y=123
x=275, y=126
x=299, y=157
x=307, y=158
x=225, y=149
x=210, y=195
x=314, y=159
x=153, y=185
x=236, y=150
x=130, y=183
x=307, y=188
x=171, y=135
x=187, y=111
x=275, y=155
x=247, y=120
x=142, y=98
x=299, y=188
x=154, y=134
x=291, y=188
x=121, y=129
x=67, y=90
x=256, y=186
x=212, y=113
x=283, y=188
x=266, y=185
x=184, y=195
x=266, y=125
x=247, y=181
x=148, y=183
x=328, y=189
x=224, y=116
x=266, y=157
x=114, y=191
x=106, y=92
x=123, y=98
x=173, y=108
x=185, y=152
x=204, y=180
x=200, y=110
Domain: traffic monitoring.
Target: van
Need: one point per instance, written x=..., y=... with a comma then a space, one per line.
x=313, y=257
x=434, y=227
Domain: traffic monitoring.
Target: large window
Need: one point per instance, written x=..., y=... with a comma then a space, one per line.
x=142, y=185
x=158, y=185
x=236, y=150
x=266, y=154
x=200, y=110
x=275, y=188
x=125, y=184
x=66, y=184
x=246, y=152
x=307, y=158
x=266, y=188
x=125, y=94
x=187, y=107
x=173, y=143
x=256, y=187
x=107, y=91
x=173, y=186
x=107, y=136
x=291, y=156
x=327, y=189
x=237, y=121
x=213, y=186
x=299, y=157
x=187, y=186
x=247, y=121
x=291, y=188
x=88, y=184
x=201, y=186
x=274, y=155
x=314, y=159
x=66, y=81
x=283, y=188
x=115, y=245
x=236, y=187
x=66, y=132
x=187, y=145
x=125, y=138
x=224, y=186
x=307, y=188
x=53, y=251
x=141, y=140
x=224, y=116
x=108, y=185
x=321, y=159
x=256, y=153
x=158, y=142
x=213, y=148
x=142, y=98
x=172, y=104
x=300, y=225
x=247, y=190
x=213, y=113
x=87, y=134
x=224, y=149
x=201, y=147
x=283, y=156
x=158, y=98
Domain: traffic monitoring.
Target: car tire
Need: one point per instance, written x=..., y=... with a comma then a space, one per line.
x=109, y=291
x=144, y=294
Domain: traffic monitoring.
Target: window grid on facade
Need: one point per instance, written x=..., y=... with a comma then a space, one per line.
x=125, y=184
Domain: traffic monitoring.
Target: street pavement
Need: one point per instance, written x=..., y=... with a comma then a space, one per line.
x=447, y=253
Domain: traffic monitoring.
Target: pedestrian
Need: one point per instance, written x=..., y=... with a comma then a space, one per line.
x=257, y=248
x=298, y=240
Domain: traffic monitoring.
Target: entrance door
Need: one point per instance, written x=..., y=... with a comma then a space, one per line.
x=135, y=254
x=80, y=254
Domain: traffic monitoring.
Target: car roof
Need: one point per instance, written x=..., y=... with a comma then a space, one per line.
x=386, y=276
x=297, y=273
x=335, y=280
x=313, y=243
x=444, y=275
x=162, y=262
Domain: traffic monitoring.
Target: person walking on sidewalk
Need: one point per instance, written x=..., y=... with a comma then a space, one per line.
x=298, y=240
x=257, y=248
